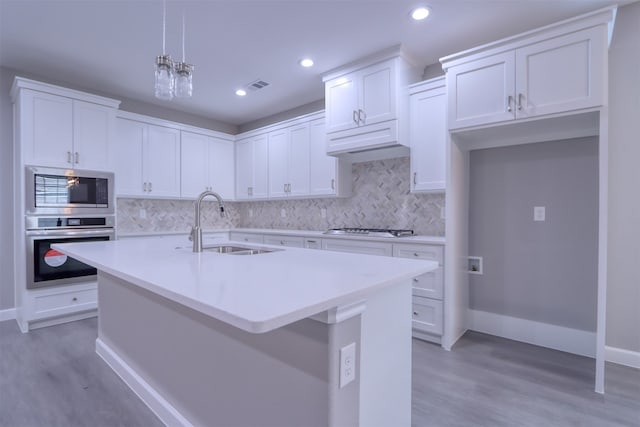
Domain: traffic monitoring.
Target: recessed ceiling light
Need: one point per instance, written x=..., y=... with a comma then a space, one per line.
x=420, y=13
x=306, y=62
x=241, y=92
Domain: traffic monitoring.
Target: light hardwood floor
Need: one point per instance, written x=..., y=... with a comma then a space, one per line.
x=53, y=377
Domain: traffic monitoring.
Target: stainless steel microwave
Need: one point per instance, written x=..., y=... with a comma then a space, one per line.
x=52, y=191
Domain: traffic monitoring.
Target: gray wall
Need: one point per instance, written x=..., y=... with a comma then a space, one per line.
x=6, y=189
x=541, y=271
x=623, y=296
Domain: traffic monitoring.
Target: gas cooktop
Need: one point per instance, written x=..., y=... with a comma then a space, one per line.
x=370, y=232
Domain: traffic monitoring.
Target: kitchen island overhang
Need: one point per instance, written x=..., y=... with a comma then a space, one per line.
x=218, y=339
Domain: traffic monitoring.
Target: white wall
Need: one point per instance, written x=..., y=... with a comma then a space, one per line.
x=6, y=190
x=623, y=295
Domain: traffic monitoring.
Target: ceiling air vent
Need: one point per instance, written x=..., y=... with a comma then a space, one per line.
x=258, y=84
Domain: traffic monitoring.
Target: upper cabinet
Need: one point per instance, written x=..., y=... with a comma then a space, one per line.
x=58, y=127
x=206, y=165
x=252, y=167
x=556, y=69
x=328, y=175
x=366, y=104
x=146, y=159
x=428, y=135
x=289, y=161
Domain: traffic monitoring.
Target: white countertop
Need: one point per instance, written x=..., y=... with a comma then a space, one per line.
x=256, y=293
x=432, y=240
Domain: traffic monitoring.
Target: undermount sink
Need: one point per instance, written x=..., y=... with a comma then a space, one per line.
x=237, y=250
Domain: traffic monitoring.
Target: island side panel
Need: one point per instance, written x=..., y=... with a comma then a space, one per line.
x=385, y=358
x=215, y=374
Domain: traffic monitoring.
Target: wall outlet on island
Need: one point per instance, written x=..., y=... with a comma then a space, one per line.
x=250, y=213
x=323, y=213
x=283, y=213
x=143, y=213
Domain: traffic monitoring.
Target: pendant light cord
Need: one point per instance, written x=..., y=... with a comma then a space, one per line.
x=164, y=26
x=183, y=26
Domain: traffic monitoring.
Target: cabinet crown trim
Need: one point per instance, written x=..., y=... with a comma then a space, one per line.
x=605, y=16
x=22, y=83
x=305, y=118
x=367, y=61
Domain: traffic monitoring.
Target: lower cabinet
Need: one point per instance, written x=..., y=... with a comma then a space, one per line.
x=58, y=304
x=427, y=316
x=279, y=240
x=357, y=247
x=246, y=237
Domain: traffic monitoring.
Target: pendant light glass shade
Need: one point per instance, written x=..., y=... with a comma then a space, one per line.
x=164, y=77
x=183, y=79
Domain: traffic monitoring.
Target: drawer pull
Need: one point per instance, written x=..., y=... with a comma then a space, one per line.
x=416, y=254
x=74, y=299
x=415, y=313
x=416, y=280
x=282, y=242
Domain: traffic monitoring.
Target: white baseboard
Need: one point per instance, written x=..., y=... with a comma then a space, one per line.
x=158, y=404
x=8, y=314
x=561, y=338
x=622, y=356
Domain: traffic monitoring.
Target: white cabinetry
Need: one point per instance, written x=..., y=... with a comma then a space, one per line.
x=284, y=240
x=357, y=247
x=246, y=237
x=428, y=135
x=328, y=175
x=289, y=161
x=146, y=159
x=366, y=102
x=207, y=163
x=252, y=168
x=536, y=76
x=58, y=130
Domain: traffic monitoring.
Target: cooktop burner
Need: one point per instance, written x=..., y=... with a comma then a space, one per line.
x=372, y=232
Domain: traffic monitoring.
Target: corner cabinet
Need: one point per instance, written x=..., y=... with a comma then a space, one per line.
x=544, y=74
x=146, y=159
x=63, y=128
x=206, y=164
x=366, y=104
x=428, y=135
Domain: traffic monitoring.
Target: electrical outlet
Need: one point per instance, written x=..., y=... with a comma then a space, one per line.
x=250, y=213
x=283, y=213
x=347, y=364
x=143, y=213
x=539, y=213
x=323, y=213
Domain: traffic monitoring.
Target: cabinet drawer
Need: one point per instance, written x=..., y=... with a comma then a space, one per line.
x=357, y=247
x=246, y=237
x=311, y=243
x=428, y=252
x=429, y=285
x=64, y=303
x=278, y=240
x=427, y=315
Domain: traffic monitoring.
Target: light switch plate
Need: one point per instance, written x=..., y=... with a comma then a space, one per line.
x=539, y=213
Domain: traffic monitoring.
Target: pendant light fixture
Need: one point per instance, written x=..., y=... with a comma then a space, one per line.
x=172, y=78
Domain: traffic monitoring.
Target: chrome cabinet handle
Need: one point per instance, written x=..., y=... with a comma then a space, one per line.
x=150, y=187
x=282, y=242
x=77, y=157
x=519, y=101
x=415, y=178
x=74, y=299
x=362, y=116
x=249, y=191
x=68, y=156
x=333, y=184
x=144, y=186
x=416, y=280
x=355, y=117
x=416, y=254
x=415, y=313
x=289, y=188
x=284, y=186
x=312, y=241
x=509, y=100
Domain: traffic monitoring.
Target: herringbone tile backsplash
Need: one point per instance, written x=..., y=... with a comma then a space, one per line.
x=380, y=199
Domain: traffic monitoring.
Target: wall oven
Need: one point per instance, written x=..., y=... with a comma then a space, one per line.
x=64, y=206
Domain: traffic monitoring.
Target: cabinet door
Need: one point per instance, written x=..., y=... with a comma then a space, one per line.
x=260, y=167
x=244, y=168
x=278, y=163
x=92, y=135
x=125, y=157
x=298, y=160
x=341, y=100
x=194, y=162
x=47, y=126
x=221, y=169
x=428, y=137
x=561, y=74
x=427, y=315
x=482, y=91
x=378, y=93
x=289, y=241
x=322, y=168
x=162, y=162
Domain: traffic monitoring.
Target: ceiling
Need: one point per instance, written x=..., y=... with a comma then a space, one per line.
x=109, y=46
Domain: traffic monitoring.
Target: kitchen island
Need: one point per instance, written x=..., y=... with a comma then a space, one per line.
x=230, y=339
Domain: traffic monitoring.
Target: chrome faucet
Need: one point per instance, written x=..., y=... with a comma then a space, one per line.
x=196, y=231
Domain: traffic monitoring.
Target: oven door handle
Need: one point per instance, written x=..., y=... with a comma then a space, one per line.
x=72, y=233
